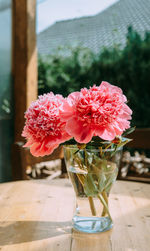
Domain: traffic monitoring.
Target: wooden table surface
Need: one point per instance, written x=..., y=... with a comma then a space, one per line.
x=36, y=215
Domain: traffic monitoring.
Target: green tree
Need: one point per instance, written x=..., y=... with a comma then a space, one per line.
x=70, y=69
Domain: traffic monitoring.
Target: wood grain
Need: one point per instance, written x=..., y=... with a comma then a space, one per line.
x=36, y=215
x=24, y=63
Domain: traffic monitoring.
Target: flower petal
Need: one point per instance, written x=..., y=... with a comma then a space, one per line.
x=38, y=149
x=81, y=133
x=108, y=134
x=68, y=108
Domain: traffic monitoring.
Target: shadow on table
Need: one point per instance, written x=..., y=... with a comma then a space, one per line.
x=13, y=232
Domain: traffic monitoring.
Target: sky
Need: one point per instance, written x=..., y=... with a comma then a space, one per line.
x=48, y=11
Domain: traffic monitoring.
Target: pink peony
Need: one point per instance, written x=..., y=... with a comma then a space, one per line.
x=98, y=111
x=43, y=129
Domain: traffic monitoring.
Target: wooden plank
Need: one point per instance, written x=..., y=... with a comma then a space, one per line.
x=133, y=209
x=36, y=215
x=24, y=60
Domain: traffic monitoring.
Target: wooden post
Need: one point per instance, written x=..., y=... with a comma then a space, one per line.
x=24, y=69
x=24, y=60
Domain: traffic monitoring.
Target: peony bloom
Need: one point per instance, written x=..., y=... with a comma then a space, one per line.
x=43, y=129
x=98, y=111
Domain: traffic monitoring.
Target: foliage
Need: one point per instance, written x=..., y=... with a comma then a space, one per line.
x=64, y=74
x=79, y=67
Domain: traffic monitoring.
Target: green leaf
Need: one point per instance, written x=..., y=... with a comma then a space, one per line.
x=102, y=182
x=123, y=142
x=100, y=196
x=89, y=158
x=108, y=187
x=104, y=165
x=110, y=180
x=97, y=161
x=128, y=131
x=90, y=188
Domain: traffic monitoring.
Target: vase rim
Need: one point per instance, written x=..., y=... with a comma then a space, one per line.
x=96, y=149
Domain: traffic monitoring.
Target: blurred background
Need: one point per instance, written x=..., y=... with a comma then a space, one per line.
x=62, y=46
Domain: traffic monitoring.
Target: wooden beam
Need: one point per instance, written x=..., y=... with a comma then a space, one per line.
x=24, y=60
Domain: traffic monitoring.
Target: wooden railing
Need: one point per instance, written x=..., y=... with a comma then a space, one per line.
x=22, y=159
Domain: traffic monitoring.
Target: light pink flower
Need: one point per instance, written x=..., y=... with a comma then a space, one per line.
x=44, y=130
x=98, y=111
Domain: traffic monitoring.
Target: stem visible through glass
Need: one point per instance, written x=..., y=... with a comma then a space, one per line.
x=91, y=202
x=104, y=194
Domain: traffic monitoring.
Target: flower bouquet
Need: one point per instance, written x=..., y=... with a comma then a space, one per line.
x=91, y=124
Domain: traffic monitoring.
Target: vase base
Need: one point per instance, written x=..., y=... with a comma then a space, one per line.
x=92, y=224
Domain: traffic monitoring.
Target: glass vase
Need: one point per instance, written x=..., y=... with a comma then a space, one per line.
x=92, y=173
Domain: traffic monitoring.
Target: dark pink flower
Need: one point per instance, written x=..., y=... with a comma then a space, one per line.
x=44, y=129
x=99, y=111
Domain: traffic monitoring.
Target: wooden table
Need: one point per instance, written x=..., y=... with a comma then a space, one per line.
x=36, y=216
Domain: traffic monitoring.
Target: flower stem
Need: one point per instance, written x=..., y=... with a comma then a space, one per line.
x=93, y=210
x=91, y=202
x=81, y=178
x=104, y=194
x=102, y=200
